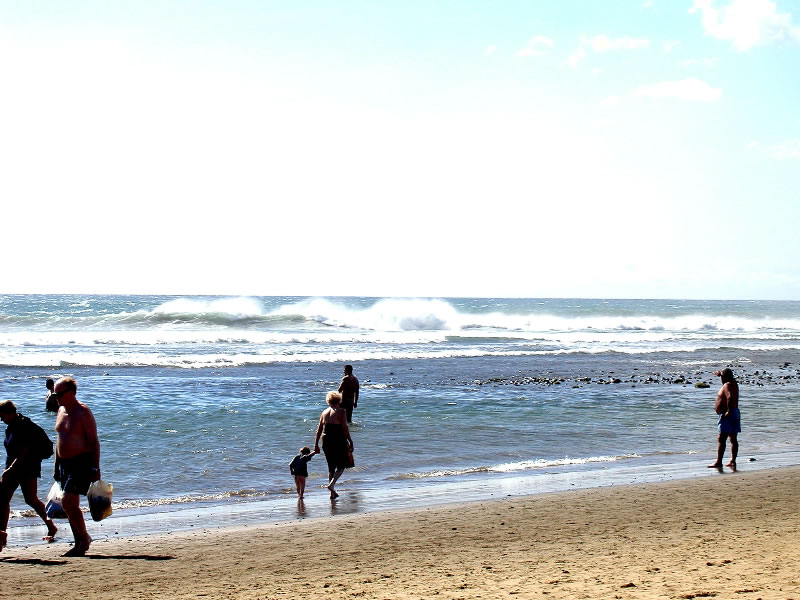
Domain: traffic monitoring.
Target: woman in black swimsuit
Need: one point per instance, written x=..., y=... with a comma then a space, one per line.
x=336, y=441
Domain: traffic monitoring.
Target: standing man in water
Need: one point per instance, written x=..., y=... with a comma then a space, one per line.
x=77, y=458
x=349, y=391
x=729, y=421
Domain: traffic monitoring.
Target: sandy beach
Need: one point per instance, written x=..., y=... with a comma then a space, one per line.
x=725, y=536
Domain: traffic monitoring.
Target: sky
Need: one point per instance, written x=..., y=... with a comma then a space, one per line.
x=625, y=149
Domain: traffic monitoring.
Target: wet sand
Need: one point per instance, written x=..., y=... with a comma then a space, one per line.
x=733, y=535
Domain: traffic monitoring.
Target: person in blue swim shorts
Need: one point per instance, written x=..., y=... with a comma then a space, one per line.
x=729, y=421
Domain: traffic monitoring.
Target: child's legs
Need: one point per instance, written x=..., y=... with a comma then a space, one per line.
x=300, y=483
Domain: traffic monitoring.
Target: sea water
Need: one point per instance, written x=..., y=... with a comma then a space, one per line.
x=201, y=402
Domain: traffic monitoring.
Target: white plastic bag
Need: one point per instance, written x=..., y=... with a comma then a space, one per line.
x=53, y=506
x=99, y=497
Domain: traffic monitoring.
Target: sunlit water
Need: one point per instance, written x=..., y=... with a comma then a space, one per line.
x=202, y=402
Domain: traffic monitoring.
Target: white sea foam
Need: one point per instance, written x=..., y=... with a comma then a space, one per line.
x=234, y=308
x=525, y=465
x=236, y=331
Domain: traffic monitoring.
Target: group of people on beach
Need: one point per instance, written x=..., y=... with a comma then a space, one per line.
x=76, y=464
x=77, y=449
x=333, y=432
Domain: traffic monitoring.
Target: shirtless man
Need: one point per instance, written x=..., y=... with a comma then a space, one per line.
x=349, y=391
x=77, y=458
x=729, y=421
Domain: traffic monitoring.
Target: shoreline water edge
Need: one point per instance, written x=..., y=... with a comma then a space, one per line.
x=467, y=399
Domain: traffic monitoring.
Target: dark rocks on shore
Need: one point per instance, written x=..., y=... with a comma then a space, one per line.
x=699, y=379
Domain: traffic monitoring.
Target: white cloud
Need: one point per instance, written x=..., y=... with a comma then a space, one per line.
x=612, y=100
x=746, y=23
x=602, y=43
x=489, y=50
x=648, y=4
x=788, y=150
x=537, y=46
x=670, y=45
x=685, y=89
x=701, y=62
x=574, y=59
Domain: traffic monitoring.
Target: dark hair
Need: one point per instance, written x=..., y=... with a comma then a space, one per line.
x=49, y=383
x=348, y=368
x=7, y=408
x=727, y=376
x=305, y=450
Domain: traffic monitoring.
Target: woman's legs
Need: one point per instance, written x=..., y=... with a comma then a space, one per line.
x=5, y=511
x=332, y=481
x=29, y=491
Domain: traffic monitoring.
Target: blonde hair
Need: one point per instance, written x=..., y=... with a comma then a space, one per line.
x=333, y=399
x=69, y=383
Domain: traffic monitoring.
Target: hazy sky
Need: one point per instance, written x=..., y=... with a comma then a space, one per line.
x=403, y=148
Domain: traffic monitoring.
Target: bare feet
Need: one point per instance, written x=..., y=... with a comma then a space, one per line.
x=79, y=549
x=51, y=531
x=3, y=540
x=715, y=466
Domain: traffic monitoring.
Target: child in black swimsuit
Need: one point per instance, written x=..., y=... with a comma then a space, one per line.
x=299, y=468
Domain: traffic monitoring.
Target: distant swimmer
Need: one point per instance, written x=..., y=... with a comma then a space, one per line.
x=50, y=399
x=26, y=444
x=349, y=391
x=729, y=420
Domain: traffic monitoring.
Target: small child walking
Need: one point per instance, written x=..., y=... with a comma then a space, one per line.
x=299, y=468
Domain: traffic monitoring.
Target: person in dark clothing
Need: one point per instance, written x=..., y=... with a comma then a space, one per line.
x=23, y=468
x=336, y=441
x=349, y=391
x=299, y=468
x=51, y=399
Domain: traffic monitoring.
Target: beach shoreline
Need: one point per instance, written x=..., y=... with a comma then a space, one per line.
x=408, y=494
x=726, y=535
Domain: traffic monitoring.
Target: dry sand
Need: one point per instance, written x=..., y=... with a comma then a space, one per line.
x=725, y=536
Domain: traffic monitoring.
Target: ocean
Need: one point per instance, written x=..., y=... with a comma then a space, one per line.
x=201, y=402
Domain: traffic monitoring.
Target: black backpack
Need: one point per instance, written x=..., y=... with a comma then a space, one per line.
x=42, y=445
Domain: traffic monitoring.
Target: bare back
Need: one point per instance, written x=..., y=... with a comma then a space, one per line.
x=334, y=416
x=727, y=398
x=349, y=390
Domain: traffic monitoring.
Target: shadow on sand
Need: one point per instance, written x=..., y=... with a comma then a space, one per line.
x=33, y=561
x=129, y=557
